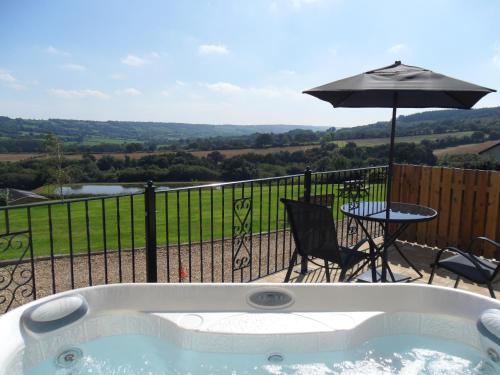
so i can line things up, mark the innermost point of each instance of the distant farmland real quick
(260, 151)
(473, 148)
(410, 138)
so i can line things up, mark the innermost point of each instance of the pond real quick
(97, 189)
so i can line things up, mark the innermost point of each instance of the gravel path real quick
(198, 263)
(206, 262)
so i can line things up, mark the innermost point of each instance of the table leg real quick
(381, 251)
(392, 241)
(373, 250)
(411, 264)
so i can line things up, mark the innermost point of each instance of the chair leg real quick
(492, 291)
(434, 266)
(342, 275)
(457, 280)
(291, 265)
(327, 271)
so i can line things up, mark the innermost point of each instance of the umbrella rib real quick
(451, 95)
(344, 99)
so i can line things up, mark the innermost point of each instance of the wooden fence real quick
(467, 201)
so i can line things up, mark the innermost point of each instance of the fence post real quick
(150, 208)
(307, 198)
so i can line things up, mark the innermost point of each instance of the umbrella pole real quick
(389, 188)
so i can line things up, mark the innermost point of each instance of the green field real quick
(412, 138)
(92, 141)
(121, 213)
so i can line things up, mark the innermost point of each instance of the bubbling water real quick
(143, 355)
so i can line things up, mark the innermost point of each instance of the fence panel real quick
(468, 203)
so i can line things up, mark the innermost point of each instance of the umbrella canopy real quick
(415, 87)
(399, 86)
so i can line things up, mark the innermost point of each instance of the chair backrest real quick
(313, 229)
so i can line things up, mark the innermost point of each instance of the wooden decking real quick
(421, 256)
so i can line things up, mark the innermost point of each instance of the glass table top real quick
(400, 212)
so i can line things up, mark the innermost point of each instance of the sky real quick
(229, 61)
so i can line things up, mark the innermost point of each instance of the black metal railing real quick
(223, 232)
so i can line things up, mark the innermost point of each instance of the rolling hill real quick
(112, 131)
(431, 122)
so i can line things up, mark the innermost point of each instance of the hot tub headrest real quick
(489, 325)
(55, 313)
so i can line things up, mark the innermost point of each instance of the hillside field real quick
(261, 151)
(472, 148)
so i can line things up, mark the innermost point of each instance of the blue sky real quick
(241, 62)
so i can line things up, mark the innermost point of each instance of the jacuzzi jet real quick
(275, 358)
(69, 357)
(493, 354)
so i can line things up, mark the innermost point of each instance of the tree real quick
(264, 140)
(216, 157)
(55, 151)
(106, 163)
(477, 136)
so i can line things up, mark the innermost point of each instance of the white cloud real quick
(267, 92)
(224, 88)
(55, 51)
(129, 92)
(277, 6)
(496, 56)
(133, 60)
(180, 88)
(117, 77)
(73, 67)
(496, 59)
(17, 86)
(213, 49)
(297, 4)
(398, 48)
(154, 55)
(79, 94)
(6, 77)
(10, 81)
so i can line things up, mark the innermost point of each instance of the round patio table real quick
(401, 215)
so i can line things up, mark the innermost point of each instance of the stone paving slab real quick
(421, 256)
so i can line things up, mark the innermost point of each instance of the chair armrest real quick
(486, 239)
(469, 256)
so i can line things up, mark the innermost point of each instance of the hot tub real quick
(253, 329)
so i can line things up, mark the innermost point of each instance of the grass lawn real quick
(118, 222)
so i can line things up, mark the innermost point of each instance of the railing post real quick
(150, 208)
(307, 198)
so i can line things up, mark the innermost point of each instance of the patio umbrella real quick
(399, 86)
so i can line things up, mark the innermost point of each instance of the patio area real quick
(421, 256)
(234, 231)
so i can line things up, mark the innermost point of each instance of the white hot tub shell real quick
(242, 318)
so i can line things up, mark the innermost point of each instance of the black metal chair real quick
(315, 236)
(469, 266)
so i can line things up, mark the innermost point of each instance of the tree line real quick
(183, 166)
